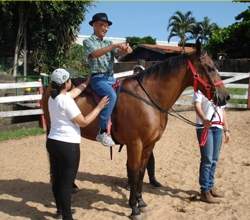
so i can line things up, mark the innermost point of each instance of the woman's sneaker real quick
(105, 139)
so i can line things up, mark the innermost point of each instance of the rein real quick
(153, 103)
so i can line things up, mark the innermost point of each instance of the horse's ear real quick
(198, 46)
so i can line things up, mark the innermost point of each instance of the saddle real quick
(97, 98)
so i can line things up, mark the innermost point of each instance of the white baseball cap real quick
(60, 76)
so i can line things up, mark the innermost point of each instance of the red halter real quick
(206, 85)
(208, 88)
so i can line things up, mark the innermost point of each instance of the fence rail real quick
(229, 82)
(185, 98)
(25, 100)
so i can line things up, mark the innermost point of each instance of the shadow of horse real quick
(118, 184)
(19, 193)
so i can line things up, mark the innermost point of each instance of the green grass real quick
(238, 101)
(237, 91)
(19, 133)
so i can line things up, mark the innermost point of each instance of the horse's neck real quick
(167, 88)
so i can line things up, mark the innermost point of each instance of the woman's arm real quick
(78, 90)
(200, 113)
(83, 121)
(226, 127)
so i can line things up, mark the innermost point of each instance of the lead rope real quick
(204, 133)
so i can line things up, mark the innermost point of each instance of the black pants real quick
(64, 161)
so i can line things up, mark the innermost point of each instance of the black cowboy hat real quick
(100, 17)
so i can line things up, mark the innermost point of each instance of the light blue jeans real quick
(209, 157)
(102, 85)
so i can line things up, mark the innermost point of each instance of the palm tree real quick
(204, 30)
(181, 25)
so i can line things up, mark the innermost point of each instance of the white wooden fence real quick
(185, 99)
(23, 98)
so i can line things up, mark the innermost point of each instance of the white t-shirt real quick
(209, 109)
(62, 110)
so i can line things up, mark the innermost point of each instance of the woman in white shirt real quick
(213, 118)
(63, 143)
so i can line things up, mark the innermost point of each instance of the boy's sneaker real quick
(105, 139)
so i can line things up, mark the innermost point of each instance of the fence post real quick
(42, 119)
(248, 100)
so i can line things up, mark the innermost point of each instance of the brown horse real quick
(140, 116)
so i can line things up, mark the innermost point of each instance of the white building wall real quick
(80, 38)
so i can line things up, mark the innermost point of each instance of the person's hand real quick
(207, 123)
(118, 46)
(227, 136)
(104, 101)
(85, 84)
(87, 81)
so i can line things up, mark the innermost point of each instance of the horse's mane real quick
(170, 64)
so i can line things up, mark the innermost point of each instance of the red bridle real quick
(206, 85)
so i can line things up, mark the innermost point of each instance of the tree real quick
(181, 25)
(233, 40)
(244, 16)
(51, 29)
(204, 30)
(135, 41)
(74, 61)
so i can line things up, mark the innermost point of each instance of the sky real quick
(150, 18)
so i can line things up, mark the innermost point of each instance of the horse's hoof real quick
(136, 217)
(144, 209)
(136, 213)
(141, 203)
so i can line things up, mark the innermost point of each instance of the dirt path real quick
(25, 189)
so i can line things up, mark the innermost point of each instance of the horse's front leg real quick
(141, 203)
(133, 176)
(147, 151)
(134, 153)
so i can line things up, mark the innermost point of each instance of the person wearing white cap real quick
(63, 142)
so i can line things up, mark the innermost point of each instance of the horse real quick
(141, 113)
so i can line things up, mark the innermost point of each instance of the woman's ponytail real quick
(56, 89)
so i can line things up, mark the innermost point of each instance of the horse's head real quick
(207, 79)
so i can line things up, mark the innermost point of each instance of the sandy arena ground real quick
(25, 190)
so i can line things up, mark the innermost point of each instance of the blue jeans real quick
(209, 157)
(102, 85)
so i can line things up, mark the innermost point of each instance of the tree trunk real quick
(18, 39)
(25, 49)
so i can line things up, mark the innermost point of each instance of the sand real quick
(25, 191)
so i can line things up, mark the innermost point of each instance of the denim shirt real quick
(102, 64)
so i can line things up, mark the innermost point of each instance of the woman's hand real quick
(227, 136)
(85, 84)
(104, 101)
(207, 123)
